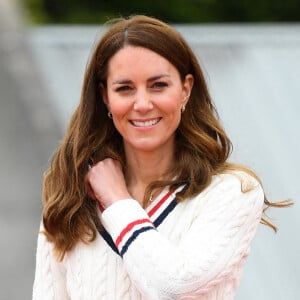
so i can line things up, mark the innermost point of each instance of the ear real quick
(187, 88)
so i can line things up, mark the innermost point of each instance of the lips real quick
(146, 123)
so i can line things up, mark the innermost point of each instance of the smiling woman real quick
(145, 102)
(140, 201)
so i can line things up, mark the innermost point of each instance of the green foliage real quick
(175, 11)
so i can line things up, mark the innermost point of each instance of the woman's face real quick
(145, 95)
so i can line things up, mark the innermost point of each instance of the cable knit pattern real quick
(197, 250)
(49, 283)
(100, 271)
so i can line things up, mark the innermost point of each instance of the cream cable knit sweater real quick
(191, 250)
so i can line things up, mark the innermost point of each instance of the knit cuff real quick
(125, 220)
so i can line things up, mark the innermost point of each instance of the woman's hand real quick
(106, 183)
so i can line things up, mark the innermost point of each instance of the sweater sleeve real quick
(218, 240)
(49, 281)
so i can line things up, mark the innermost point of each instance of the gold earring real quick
(109, 115)
(182, 108)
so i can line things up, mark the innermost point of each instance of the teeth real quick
(146, 123)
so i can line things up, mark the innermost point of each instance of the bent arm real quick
(218, 240)
(49, 282)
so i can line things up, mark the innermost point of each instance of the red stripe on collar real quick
(159, 204)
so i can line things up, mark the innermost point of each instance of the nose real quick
(142, 102)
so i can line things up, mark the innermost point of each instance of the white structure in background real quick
(254, 77)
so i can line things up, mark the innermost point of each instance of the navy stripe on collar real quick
(165, 213)
(108, 239)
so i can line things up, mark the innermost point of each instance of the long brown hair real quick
(202, 146)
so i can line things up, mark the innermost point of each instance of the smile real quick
(145, 123)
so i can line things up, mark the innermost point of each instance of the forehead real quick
(138, 61)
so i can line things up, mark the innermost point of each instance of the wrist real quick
(114, 199)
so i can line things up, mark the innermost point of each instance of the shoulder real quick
(233, 188)
(236, 180)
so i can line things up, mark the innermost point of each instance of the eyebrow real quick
(153, 78)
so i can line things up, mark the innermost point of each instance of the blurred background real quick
(250, 51)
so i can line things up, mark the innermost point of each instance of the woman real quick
(140, 201)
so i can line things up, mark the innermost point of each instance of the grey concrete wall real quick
(28, 135)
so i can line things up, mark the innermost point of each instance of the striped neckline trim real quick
(159, 204)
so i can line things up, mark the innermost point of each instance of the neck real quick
(144, 168)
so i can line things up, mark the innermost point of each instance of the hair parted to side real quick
(202, 146)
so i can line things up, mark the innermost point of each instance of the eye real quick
(159, 85)
(123, 88)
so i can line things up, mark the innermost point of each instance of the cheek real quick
(171, 104)
(118, 107)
